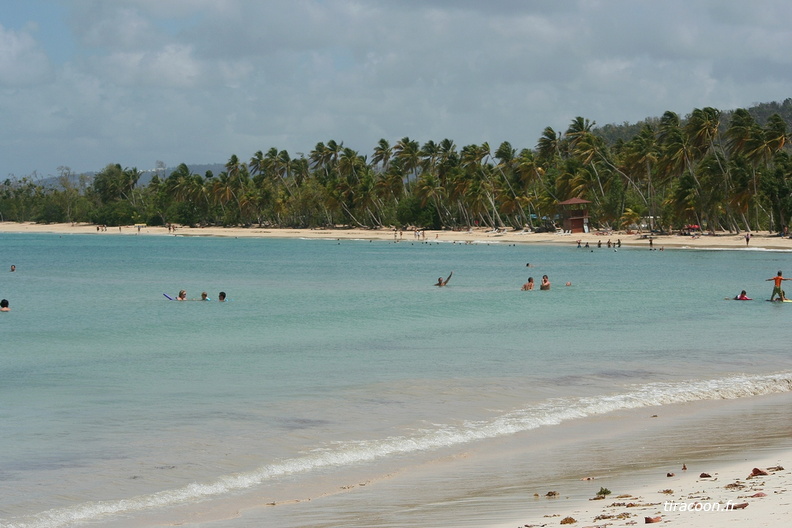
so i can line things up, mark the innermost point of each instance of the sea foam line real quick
(753, 249)
(547, 413)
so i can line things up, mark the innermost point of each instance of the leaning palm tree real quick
(382, 155)
(549, 145)
(507, 167)
(761, 146)
(589, 150)
(257, 164)
(640, 156)
(702, 128)
(745, 144)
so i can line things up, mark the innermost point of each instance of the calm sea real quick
(342, 387)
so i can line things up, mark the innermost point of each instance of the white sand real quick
(719, 240)
(687, 498)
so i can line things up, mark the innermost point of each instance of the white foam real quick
(756, 249)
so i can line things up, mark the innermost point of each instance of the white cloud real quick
(22, 61)
(171, 66)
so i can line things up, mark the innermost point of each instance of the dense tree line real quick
(722, 171)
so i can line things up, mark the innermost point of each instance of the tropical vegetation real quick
(720, 170)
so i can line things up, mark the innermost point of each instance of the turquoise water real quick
(339, 358)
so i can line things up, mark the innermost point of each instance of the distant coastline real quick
(722, 240)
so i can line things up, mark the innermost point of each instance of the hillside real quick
(612, 133)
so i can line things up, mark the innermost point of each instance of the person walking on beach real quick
(528, 286)
(441, 282)
(777, 287)
(545, 283)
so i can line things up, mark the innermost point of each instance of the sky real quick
(85, 83)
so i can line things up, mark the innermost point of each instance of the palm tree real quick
(702, 129)
(324, 159)
(408, 154)
(744, 142)
(507, 163)
(758, 145)
(549, 145)
(641, 155)
(382, 155)
(429, 189)
(257, 164)
(588, 148)
(473, 162)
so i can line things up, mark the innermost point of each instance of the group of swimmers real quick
(545, 285)
(221, 297)
(528, 286)
(616, 244)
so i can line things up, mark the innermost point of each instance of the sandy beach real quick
(718, 240)
(753, 492)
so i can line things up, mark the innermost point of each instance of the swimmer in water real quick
(441, 282)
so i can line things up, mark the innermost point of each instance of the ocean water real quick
(339, 387)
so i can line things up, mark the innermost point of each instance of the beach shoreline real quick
(656, 486)
(758, 240)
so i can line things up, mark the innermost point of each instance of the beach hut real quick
(574, 215)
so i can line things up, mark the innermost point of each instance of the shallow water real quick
(339, 360)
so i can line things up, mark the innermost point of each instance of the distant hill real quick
(145, 178)
(201, 169)
(612, 133)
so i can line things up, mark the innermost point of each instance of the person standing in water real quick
(528, 286)
(778, 279)
(545, 283)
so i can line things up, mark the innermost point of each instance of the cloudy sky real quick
(84, 83)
